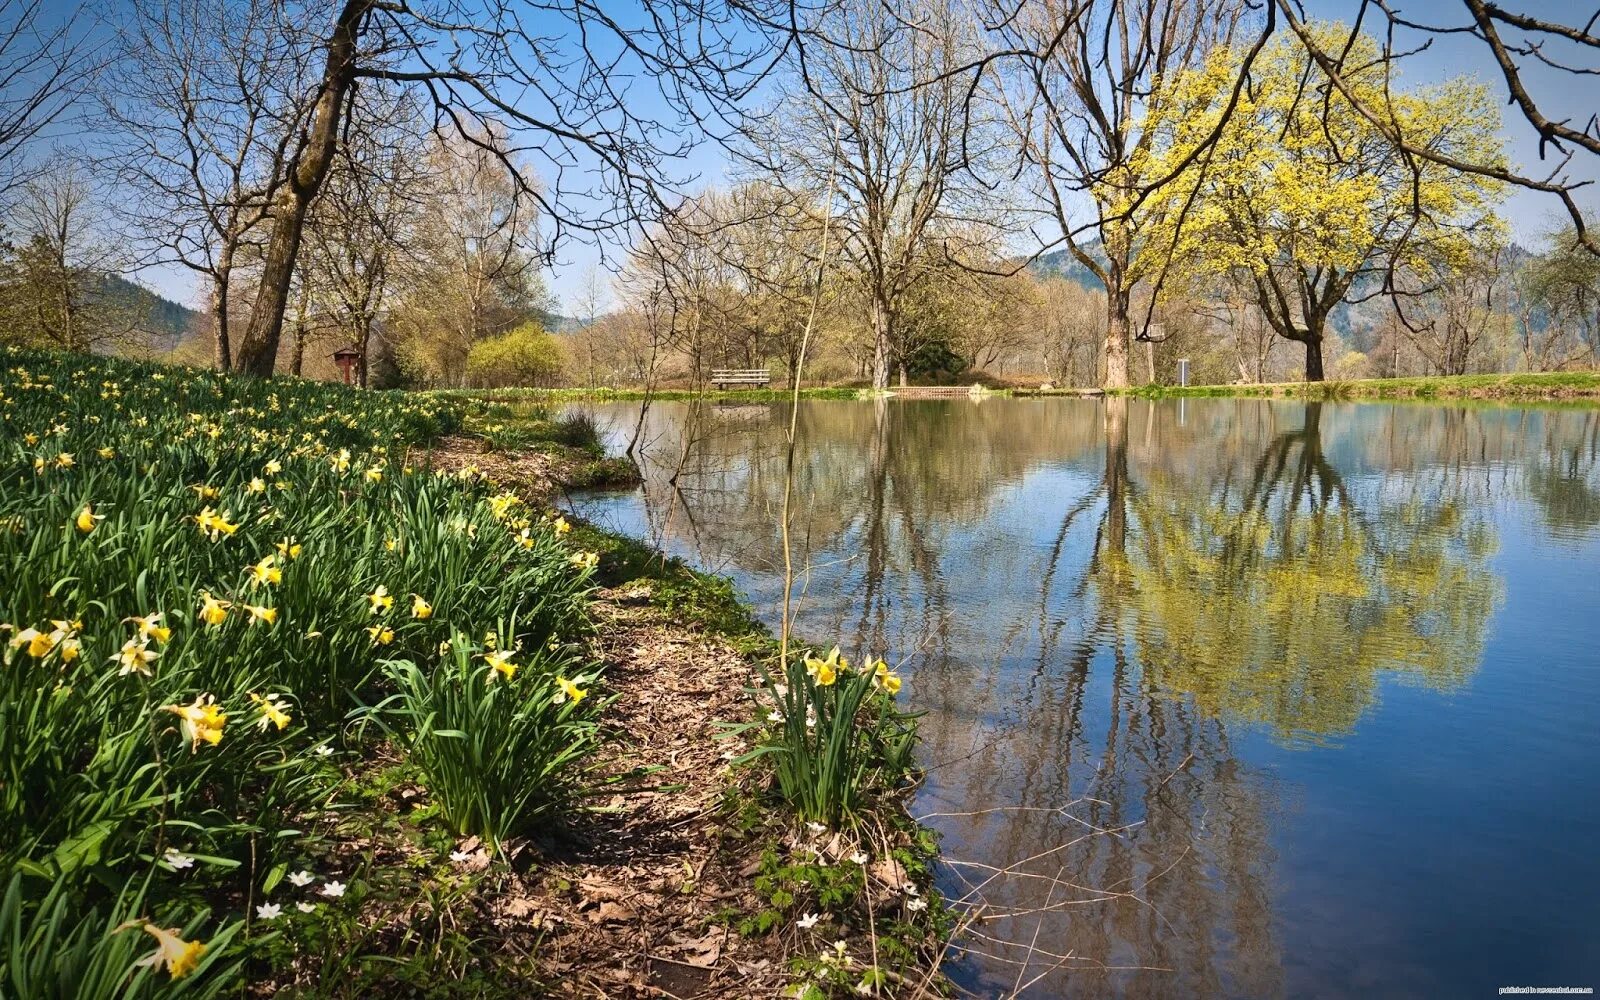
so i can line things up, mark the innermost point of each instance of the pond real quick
(1224, 697)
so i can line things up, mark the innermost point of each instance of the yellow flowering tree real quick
(1303, 203)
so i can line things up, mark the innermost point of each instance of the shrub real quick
(525, 356)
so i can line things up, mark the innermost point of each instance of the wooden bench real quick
(722, 377)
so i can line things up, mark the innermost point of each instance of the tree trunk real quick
(222, 353)
(1313, 356)
(880, 344)
(258, 348)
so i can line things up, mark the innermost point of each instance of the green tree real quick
(1303, 203)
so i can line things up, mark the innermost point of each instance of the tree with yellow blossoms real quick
(1303, 203)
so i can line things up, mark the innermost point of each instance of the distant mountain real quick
(1064, 264)
(164, 321)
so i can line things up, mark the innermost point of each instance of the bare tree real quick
(884, 109)
(203, 101)
(45, 63)
(536, 83)
(1077, 81)
(57, 286)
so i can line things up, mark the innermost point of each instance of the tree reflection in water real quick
(1095, 600)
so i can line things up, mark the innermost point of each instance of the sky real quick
(1529, 213)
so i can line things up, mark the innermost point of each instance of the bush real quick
(525, 356)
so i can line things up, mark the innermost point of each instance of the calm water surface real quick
(1248, 698)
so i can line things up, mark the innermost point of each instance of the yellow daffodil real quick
(213, 524)
(885, 679)
(381, 635)
(380, 600)
(65, 460)
(70, 649)
(390, 544)
(289, 548)
(31, 438)
(273, 467)
(501, 503)
(180, 957)
(150, 627)
(525, 539)
(107, 453)
(38, 644)
(88, 519)
(274, 711)
(570, 691)
(584, 560)
(257, 614)
(561, 526)
(257, 485)
(826, 672)
(206, 492)
(135, 657)
(420, 609)
(374, 475)
(341, 461)
(266, 572)
(202, 721)
(213, 611)
(500, 660)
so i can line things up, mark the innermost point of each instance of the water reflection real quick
(1106, 608)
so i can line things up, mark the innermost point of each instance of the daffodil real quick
(381, 635)
(202, 721)
(206, 492)
(274, 711)
(341, 461)
(88, 519)
(150, 627)
(266, 572)
(500, 660)
(420, 609)
(561, 526)
(65, 460)
(259, 614)
(213, 611)
(373, 474)
(826, 672)
(38, 644)
(107, 453)
(257, 485)
(289, 548)
(273, 467)
(135, 657)
(585, 560)
(569, 690)
(885, 679)
(380, 600)
(214, 524)
(180, 957)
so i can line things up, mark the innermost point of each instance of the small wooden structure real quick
(347, 358)
(723, 377)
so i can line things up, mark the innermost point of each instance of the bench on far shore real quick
(723, 377)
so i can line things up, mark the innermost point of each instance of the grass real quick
(603, 395)
(1517, 386)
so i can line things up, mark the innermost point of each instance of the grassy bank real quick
(295, 698)
(1521, 386)
(604, 395)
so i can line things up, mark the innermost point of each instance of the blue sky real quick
(1529, 213)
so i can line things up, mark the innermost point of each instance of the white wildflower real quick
(808, 921)
(333, 889)
(179, 861)
(302, 879)
(268, 911)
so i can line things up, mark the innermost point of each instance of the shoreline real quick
(684, 878)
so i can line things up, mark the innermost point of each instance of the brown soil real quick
(536, 476)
